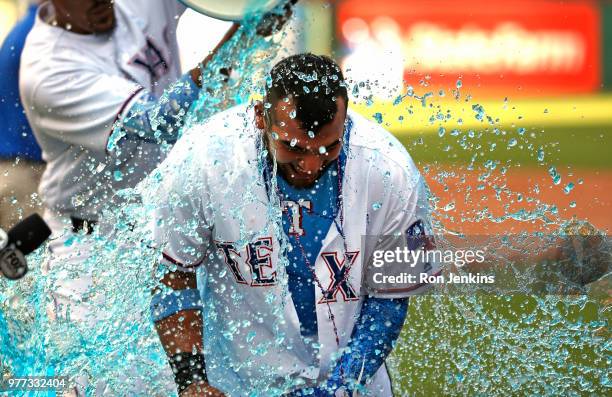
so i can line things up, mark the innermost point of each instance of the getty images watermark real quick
(412, 258)
(405, 265)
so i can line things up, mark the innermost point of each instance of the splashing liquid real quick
(494, 345)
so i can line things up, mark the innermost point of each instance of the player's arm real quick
(381, 318)
(177, 195)
(374, 335)
(178, 322)
(82, 106)
(158, 120)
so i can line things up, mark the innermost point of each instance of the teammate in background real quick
(336, 177)
(91, 67)
(88, 66)
(20, 160)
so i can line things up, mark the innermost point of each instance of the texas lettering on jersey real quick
(339, 277)
(257, 255)
(152, 59)
(296, 209)
(259, 261)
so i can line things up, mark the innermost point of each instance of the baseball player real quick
(86, 66)
(270, 207)
(89, 68)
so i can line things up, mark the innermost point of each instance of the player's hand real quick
(196, 73)
(273, 22)
(201, 390)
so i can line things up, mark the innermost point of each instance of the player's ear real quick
(260, 119)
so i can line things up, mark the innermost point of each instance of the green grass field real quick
(577, 147)
(574, 131)
(508, 345)
(500, 346)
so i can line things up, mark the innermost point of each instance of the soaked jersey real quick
(215, 212)
(75, 87)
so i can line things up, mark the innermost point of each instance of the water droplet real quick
(376, 206)
(556, 177)
(292, 114)
(275, 136)
(512, 142)
(459, 84)
(441, 132)
(568, 188)
(378, 117)
(118, 175)
(540, 154)
(293, 142)
(521, 131)
(322, 150)
(450, 206)
(480, 112)
(572, 204)
(311, 134)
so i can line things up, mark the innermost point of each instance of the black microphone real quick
(21, 240)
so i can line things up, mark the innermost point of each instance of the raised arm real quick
(158, 120)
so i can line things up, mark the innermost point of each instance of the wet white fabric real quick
(74, 87)
(213, 213)
(75, 299)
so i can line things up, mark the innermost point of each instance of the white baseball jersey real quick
(214, 213)
(75, 87)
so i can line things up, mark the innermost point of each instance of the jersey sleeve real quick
(176, 194)
(77, 108)
(157, 120)
(409, 205)
(407, 226)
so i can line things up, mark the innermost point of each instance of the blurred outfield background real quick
(539, 65)
(542, 70)
(506, 106)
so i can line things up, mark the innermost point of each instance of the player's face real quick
(301, 159)
(85, 16)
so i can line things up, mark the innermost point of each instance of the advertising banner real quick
(534, 47)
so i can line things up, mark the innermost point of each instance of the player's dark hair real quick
(313, 82)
